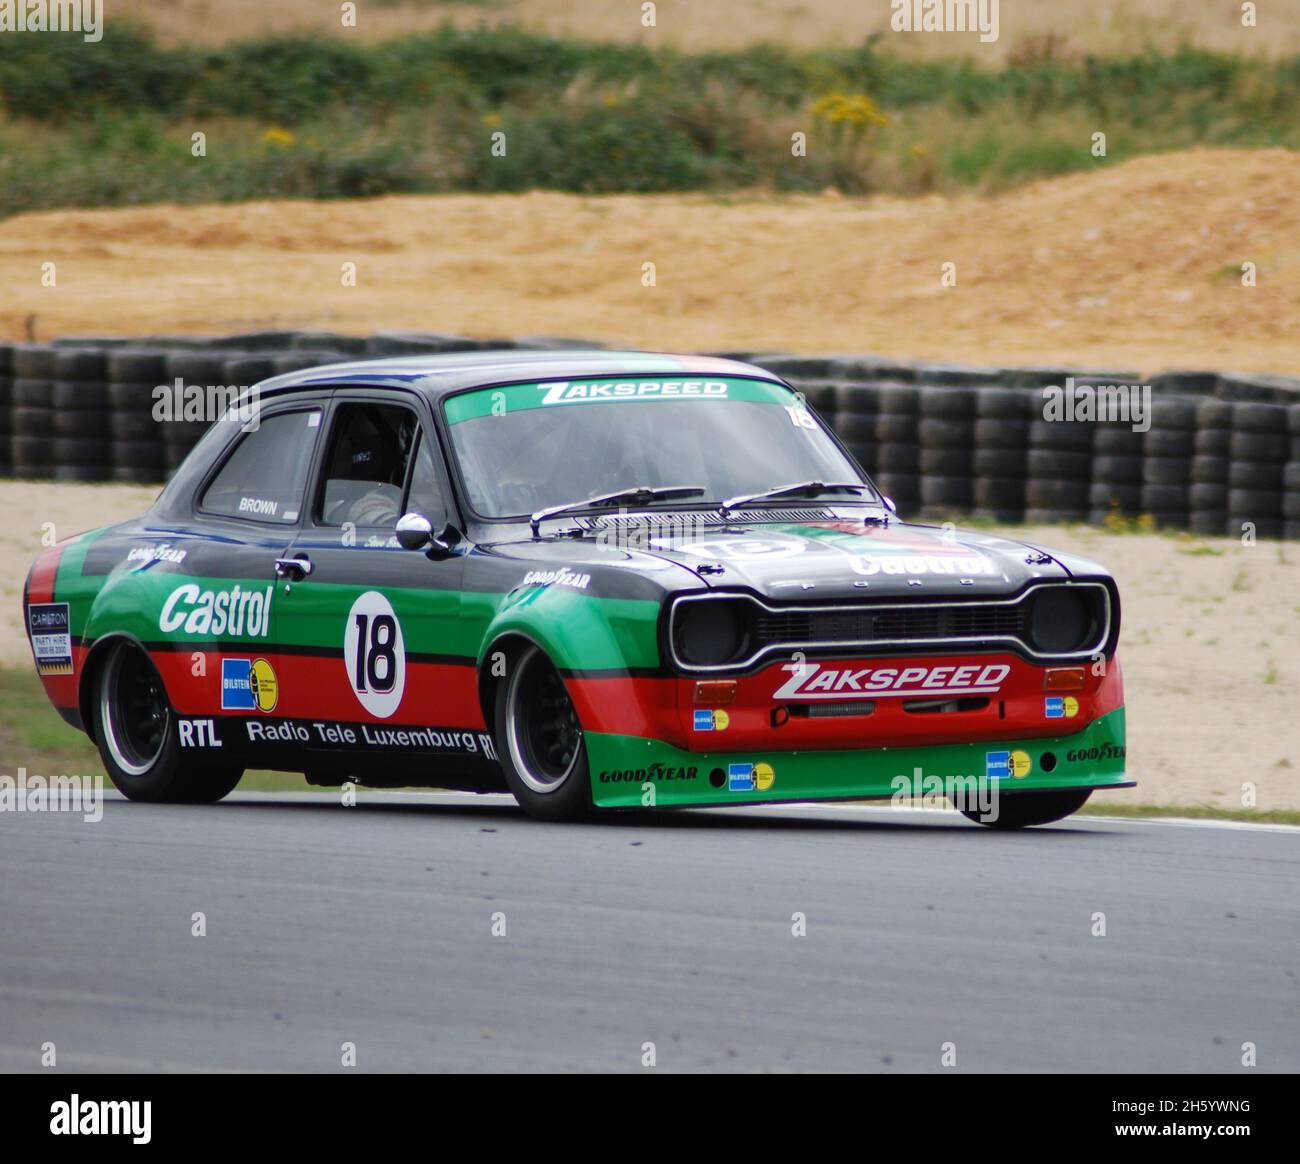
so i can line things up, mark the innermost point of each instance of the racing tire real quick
(539, 740)
(1019, 810)
(135, 731)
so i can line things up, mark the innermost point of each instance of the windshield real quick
(525, 447)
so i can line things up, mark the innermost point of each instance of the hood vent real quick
(669, 520)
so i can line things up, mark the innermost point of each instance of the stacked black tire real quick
(1260, 448)
(1116, 488)
(853, 410)
(136, 450)
(942, 440)
(1000, 436)
(82, 439)
(898, 450)
(1211, 457)
(194, 372)
(302, 359)
(1167, 450)
(33, 411)
(946, 435)
(1058, 471)
(1291, 477)
(6, 411)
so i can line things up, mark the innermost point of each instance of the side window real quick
(365, 470)
(264, 478)
(426, 486)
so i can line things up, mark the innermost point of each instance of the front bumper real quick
(622, 766)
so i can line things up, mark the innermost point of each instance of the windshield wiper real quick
(637, 495)
(808, 487)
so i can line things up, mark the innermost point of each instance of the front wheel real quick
(135, 730)
(1018, 810)
(540, 740)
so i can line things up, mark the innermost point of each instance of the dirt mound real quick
(1132, 265)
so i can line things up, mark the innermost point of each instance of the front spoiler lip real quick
(620, 766)
(734, 803)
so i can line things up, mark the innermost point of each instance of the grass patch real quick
(292, 116)
(33, 736)
(1193, 812)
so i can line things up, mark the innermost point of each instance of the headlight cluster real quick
(712, 633)
(1065, 619)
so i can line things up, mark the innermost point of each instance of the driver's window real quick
(365, 469)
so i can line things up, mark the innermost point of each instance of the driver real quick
(378, 457)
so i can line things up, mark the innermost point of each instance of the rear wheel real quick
(135, 730)
(540, 740)
(1018, 810)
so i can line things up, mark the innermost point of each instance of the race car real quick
(600, 580)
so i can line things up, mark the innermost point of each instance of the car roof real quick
(441, 374)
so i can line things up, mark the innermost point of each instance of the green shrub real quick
(109, 123)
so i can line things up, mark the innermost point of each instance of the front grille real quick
(890, 625)
(928, 625)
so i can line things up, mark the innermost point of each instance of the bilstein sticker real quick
(748, 777)
(1000, 765)
(709, 720)
(248, 685)
(1060, 707)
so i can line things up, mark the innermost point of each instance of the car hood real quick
(819, 560)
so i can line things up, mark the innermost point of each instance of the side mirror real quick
(414, 531)
(889, 504)
(443, 544)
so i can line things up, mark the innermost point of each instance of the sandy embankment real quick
(1132, 266)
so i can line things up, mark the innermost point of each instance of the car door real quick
(386, 673)
(210, 585)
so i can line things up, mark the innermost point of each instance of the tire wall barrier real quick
(945, 441)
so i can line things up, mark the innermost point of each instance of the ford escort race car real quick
(596, 579)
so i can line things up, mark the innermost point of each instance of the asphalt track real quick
(373, 925)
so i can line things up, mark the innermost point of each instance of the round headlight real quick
(1061, 621)
(709, 634)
